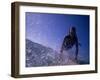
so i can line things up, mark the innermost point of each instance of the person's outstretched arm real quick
(77, 49)
(62, 47)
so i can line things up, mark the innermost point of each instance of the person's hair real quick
(72, 31)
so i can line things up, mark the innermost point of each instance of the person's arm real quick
(77, 48)
(62, 47)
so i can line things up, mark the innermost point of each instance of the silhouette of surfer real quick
(70, 40)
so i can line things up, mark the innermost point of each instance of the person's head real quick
(72, 31)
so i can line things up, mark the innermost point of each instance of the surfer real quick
(70, 40)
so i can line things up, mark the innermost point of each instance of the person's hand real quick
(61, 51)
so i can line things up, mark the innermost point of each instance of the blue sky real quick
(50, 29)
